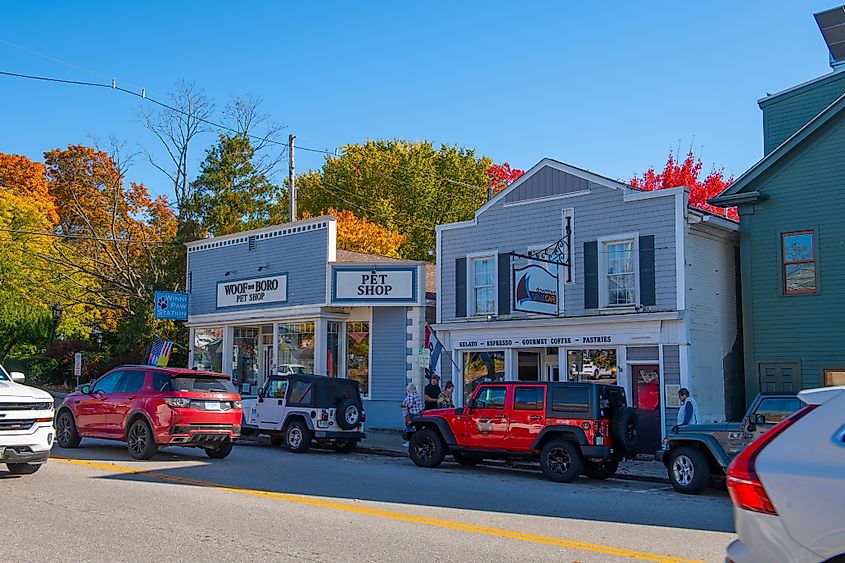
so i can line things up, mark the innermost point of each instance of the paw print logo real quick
(162, 303)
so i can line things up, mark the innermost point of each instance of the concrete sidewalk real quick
(386, 442)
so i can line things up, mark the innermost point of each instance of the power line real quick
(85, 237)
(325, 188)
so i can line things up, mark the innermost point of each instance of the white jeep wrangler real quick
(296, 410)
(26, 424)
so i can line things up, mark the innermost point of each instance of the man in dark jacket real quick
(432, 392)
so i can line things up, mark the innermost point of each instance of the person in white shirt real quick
(688, 411)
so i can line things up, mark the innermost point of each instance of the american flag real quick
(160, 352)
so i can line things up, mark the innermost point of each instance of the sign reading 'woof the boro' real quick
(255, 291)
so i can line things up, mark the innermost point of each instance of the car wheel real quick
(466, 459)
(344, 446)
(66, 434)
(689, 470)
(140, 440)
(561, 461)
(601, 469)
(297, 437)
(427, 448)
(348, 414)
(219, 451)
(23, 468)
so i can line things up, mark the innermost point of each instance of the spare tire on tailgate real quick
(623, 429)
(348, 414)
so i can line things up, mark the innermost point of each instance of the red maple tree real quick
(688, 173)
(501, 175)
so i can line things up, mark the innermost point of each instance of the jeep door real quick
(769, 412)
(526, 416)
(487, 426)
(271, 407)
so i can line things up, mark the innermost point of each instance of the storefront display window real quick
(332, 348)
(245, 359)
(592, 366)
(296, 345)
(358, 354)
(208, 349)
(481, 367)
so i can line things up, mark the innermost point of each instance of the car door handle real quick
(280, 401)
(535, 417)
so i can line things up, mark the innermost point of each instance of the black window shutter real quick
(461, 287)
(504, 284)
(647, 290)
(591, 274)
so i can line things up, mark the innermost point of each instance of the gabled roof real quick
(743, 190)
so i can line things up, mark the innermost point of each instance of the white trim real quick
(470, 282)
(636, 195)
(544, 322)
(771, 97)
(254, 316)
(438, 275)
(684, 361)
(602, 244)
(192, 342)
(332, 242)
(285, 229)
(546, 199)
(681, 206)
(695, 217)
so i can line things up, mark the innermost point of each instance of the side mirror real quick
(470, 404)
(17, 376)
(260, 392)
(760, 419)
(84, 389)
(751, 427)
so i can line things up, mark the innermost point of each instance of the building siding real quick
(803, 195)
(785, 114)
(388, 351)
(600, 213)
(671, 376)
(547, 182)
(302, 256)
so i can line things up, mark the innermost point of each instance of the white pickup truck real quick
(26, 424)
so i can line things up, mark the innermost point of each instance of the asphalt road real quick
(265, 504)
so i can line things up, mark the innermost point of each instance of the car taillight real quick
(178, 402)
(363, 416)
(601, 428)
(744, 485)
(324, 416)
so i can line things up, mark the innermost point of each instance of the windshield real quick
(191, 384)
(4, 376)
(298, 370)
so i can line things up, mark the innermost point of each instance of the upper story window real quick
(799, 264)
(483, 277)
(620, 272)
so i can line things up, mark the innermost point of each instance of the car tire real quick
(23, 468)
(689, 470)
(344, 446)
(426, 448)
(140, 440)
(623, 429)
(348, 414)
(561, 461)
(219, 451)
(601, 469)
(297, 437)
(66, 433)
(468, 460)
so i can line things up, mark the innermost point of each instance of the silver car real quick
(788, 487)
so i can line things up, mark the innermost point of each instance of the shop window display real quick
(358, 354)
(332, 348)
(482, 367)
(592, 366)
(296, 345)
(245, 359)
(208, 349)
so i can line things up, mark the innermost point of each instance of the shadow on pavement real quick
(322, 473)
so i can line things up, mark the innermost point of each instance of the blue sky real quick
(610, 87)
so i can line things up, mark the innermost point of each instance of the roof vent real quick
(832, 25)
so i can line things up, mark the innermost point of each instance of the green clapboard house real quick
(792, 234)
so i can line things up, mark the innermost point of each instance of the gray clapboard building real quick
(284, 299)
(568, 275)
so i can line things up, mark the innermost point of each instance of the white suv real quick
(26, 424)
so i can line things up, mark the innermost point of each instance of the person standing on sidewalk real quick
(688, 411)
(444, 400)
(411, 407)
(432, 392)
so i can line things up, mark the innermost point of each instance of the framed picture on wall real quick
(672, 395)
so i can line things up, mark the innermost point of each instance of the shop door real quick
(646, 391)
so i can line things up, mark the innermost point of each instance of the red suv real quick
(569, 428)
(148, 407)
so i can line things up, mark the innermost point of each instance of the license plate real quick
(212, 405)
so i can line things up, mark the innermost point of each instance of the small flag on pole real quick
(160, 352)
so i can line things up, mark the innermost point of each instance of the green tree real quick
(401, 185)
(230, 194)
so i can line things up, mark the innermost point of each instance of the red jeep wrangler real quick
(569, 427)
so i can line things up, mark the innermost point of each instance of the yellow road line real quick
(388, 514)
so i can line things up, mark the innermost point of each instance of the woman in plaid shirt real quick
(411, 406)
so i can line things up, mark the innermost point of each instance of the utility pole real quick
(291, 178)
(489, 193)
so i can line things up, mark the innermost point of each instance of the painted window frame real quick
(472, 309)
(604, 298)
(784, 263)
(826, 369)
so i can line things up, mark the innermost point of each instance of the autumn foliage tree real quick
(687, 173)
(359, 235)
(502, 175)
